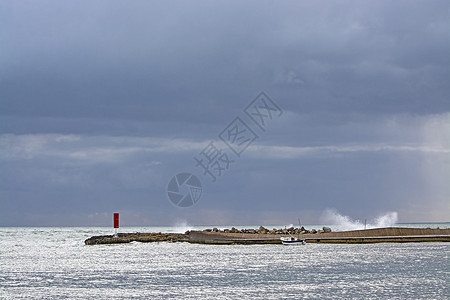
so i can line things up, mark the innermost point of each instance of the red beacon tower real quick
(116, 223)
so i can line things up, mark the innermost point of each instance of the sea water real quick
(53, 263)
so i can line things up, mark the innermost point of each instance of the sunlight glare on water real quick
(55, 263)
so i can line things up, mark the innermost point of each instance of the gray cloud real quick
(101, 102)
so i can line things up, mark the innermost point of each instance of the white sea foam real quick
(182, 227)
(342, 223)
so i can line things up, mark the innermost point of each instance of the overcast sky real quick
(102, 102)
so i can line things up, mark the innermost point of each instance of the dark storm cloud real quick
(101, 102)
(152, 61)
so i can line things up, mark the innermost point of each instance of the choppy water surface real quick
(55, 263)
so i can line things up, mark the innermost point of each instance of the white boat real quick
(292, 241)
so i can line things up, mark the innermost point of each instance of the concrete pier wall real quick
(379, 235)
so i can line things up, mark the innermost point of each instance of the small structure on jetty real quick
(265, 236)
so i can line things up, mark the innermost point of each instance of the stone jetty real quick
(263, 235)
(137, 237)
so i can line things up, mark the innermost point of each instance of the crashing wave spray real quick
(343, 223)
(182, 227)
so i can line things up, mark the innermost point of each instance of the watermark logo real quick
(262, 110)
(185, 189)
(238, 136)
(213, 161)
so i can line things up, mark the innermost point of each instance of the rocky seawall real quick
(274, 231)
(137, 237)
(265, 236)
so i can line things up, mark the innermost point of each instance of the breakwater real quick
(265, 236)
(137, 237)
